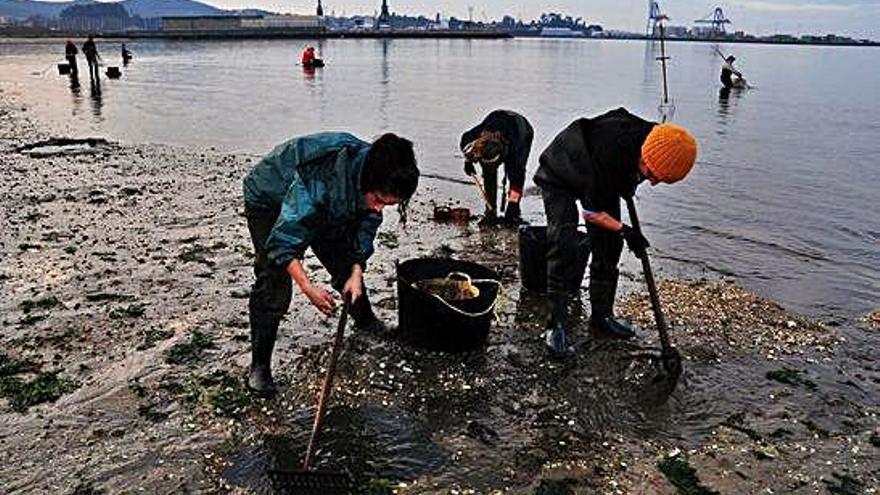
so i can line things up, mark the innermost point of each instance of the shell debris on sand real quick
(125, 229)
(722, 313)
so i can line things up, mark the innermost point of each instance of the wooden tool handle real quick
(652, 286)
(323, 399)
(482, 192)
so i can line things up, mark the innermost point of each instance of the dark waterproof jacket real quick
(90, 50)
(70, 50)
(596, 160)
(315, 181)
(518, 133)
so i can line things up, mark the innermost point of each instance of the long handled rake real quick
(308, 481)
(669, 355)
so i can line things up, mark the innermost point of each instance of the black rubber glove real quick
(512, 215)
(635, 241)
(469, 168)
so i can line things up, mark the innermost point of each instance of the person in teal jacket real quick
(323, 192)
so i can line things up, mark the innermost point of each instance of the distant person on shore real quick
(90, 50)
(728, 72)
(126, 55)
(325, 192)
(597, 161)
(70, 53)
(503, 137)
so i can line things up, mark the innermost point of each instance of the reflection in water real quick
(385, 87)
(74, 84)
(385, 69)
(724, 103)
(97, 98)
(76, 93)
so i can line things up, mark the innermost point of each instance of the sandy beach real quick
(125, 272)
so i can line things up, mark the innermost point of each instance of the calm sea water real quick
(783, 197)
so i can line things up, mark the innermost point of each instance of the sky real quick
(858, 18)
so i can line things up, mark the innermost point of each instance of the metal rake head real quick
(312, 483)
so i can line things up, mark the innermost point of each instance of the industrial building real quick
(228, 23)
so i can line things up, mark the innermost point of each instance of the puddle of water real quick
(370, 442)
(64, 146)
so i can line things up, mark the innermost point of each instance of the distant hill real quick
(169, 8)
(22, 9)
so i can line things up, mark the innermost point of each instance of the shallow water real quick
(354, 439)
(783, 197)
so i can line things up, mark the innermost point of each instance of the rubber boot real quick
(512, 216)
(263, 336)
(554, 337)
(365, 319)
(489, 219)
(602, 318)
(490, 181)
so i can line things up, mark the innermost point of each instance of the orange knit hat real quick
(669, 152)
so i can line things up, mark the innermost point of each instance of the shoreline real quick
(141, 312)
(267, 34)
(400, 34)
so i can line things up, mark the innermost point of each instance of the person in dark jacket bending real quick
(325, 192)
(727, 73)
(502, 137)
(597, 161)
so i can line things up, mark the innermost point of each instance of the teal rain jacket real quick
(315, 182)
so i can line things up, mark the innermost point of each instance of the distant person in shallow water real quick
(324, 192)
(90, 50)
(126, 55)
(308, 56)
(310, 59)
(70, 52)
(728, 72)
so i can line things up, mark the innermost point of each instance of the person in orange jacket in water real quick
(308, 56)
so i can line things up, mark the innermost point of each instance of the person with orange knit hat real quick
(597, 161)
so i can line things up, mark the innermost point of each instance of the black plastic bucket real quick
(114, 72)
(533, 259)
(63, 69)
(429, 322)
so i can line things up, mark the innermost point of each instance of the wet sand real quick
(125, 273)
